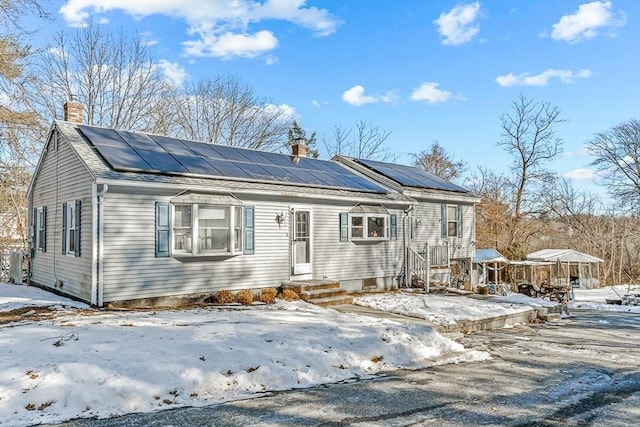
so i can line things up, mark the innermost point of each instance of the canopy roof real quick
(489, 255)
(562, 255)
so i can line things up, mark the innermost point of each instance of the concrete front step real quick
(320, 292)
(330, 301)
(304, 286)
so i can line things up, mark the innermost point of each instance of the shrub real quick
(268, 295)
(288, 295)
(223, 297)
(245, 297)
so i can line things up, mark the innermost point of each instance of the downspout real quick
(94, 244)
(100, 246)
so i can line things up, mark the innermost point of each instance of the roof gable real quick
(152, 154)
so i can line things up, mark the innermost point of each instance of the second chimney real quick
(299, 148)
(73, 111)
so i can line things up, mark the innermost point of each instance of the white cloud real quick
(458, 26)
(229, 45)
(580, 174)
(355, 96)
(173, 72)
(542, 79)
(390, 97)
(220, 28)
(430, 93)
(586, 22)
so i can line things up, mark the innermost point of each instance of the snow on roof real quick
(562, 255)
(489, 255)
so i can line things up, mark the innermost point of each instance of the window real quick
(369, 226)
(71, 228)
(451, 220)
(201, 229)
(40, 228)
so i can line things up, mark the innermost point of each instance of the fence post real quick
(15, 267)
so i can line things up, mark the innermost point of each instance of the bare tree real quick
(586, 224)
(363, 141)
(528, 134)
(617, 157)
(20, 129)
(226, 111)
(111, 74)
(438, 162)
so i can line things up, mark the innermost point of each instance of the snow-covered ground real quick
(91, 363)
(62, 360)
(595, 299)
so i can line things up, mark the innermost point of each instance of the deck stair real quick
(320, 292)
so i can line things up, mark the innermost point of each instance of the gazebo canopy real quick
(489, 256)
(563, 255)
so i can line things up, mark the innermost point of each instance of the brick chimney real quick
(299, 148)
(73, 111)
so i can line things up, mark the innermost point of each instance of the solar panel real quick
(139, 141)
(162, 161)
(121, 158)
(102, 136)
(411, 176)
(130, 151)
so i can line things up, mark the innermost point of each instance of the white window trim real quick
(365, 224)
(40, 229)
(195, 249)
(455, 220)
(70, 218)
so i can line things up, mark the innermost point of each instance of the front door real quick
(301, 241)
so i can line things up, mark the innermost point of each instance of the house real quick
(121, 217)
(440, 225)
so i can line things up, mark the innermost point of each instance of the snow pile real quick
(13, 297)
(524, 300)
(595, 299)
(102, 364)
(438, 309)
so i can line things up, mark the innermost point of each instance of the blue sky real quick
(424, 70)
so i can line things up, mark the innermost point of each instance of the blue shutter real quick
(35, 230)
(44, 228)
(459, 220)
(443, 220)
(249, 230)
(344, 227)
(394, 227)
(162, 229)
(77, 233)
(64, 228)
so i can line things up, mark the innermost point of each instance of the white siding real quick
(132, 271)
(427, 223)
(350, 260)
(63, 178)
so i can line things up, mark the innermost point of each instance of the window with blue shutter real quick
(344, 227)
(394, 227)
(249, 230)
(459, 221)
(443, 220)
(162, 229)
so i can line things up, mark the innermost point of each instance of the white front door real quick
(301, 241)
